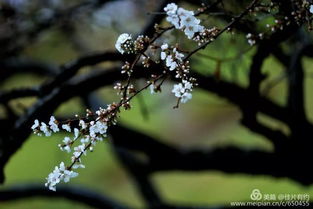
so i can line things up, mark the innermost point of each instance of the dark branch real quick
(76, 194)
(18, 93)
(229, 159)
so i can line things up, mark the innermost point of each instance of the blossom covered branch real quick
(91, 129)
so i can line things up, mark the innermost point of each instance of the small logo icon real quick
(256, 194)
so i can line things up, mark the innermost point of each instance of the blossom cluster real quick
(172, 57)
(182, 91)
(174, 61)
(90, 130)
(251, 39)
(187, 22)
(60, 173)
(125, 43)
(43, 128)
(183, 19)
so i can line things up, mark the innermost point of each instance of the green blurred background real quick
(206, 121)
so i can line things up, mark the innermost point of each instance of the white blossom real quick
(185, 97)
(84, 140)
(67, 140)
(45, 129)
(183, 13)
(68, 175)
(82, 124)
(98, 138)
(170, 9)
(251, 42)
(66, 144)
(53, 126)
(170, 63)
(174, 20)
(36, 124)
(251, 39)
(178, 56)
(187, 85)
(311, 9)
(122, 39)
(188, 20)
(164, 46)
(152, 89)
(78, 165)
(76, 133)
(190, 30)
(66, 148)
(163, 55)
(66, 127)
(178, 89)
(172, 17)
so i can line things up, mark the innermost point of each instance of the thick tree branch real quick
(14, 66)
(76, 194)
(18, 93)
(229, 159)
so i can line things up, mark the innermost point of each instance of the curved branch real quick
(76, 194)
(163, 157)
(12, 66)
(18, 93)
